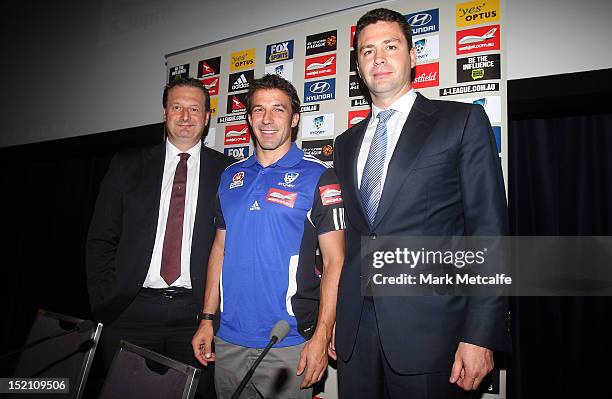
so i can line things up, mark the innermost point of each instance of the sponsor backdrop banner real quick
(460, 57)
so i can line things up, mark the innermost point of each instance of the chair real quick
(59, 346)
(141, 373)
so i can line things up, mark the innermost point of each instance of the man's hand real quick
(472, 364)
(202, 342)
(314, 360)
(331, 349)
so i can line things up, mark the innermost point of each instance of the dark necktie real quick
(171, 254)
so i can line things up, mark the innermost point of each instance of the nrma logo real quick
(320, 90)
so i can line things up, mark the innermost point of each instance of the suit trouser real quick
(161, 324)
(368, 375)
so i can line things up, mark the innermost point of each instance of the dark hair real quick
(386, 15)
(269, 82)
(186, 82)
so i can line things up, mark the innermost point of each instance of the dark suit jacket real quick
(124, 224)
(444, 179)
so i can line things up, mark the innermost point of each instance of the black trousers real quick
(161, 324)
(367, 373)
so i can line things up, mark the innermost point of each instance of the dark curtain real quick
(48, 195)
(560, 179)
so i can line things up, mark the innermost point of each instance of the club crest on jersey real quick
(289, 178)
(237, 180)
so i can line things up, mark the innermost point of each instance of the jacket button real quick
(373, 236)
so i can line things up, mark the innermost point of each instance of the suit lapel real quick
(207, 183)
(150, 187)
(417, 128)
(356, 214)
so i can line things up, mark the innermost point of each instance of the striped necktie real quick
(371, 179)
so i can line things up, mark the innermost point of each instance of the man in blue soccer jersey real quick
(273, 209)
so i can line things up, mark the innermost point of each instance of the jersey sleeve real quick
(219, 220)
(328, 208)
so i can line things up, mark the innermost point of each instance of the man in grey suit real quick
(414, 167)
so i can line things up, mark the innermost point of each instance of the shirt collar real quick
(172, 151)
(291, 158)
(402, 104)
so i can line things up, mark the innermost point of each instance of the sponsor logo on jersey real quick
(281, 197)
(244, 59)
(485, 38)
(179, 71)
(321, 42)
(477, 12)
(237, 153)
(473, 88)
(314, 126)
(480, 67)
(237, 180)
(423, 22)
(236, 103)
(323, 65)
(426, 75)
(209, 67)
(283, 69)
(320, 90)
(427, 48)
(255, 206)
(212, 85)
(281, 51)
(237, 134)
(320, 149)
(330, 194)
(240, 80)
(354, 117)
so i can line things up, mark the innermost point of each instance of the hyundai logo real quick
(419, 20)
(319, 87)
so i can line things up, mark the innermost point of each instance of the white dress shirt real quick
(402, 107)
(154, 280)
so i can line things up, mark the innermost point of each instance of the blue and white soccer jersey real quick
(273, 217)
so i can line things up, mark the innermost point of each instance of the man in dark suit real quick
(415, 167)
(151, 234)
